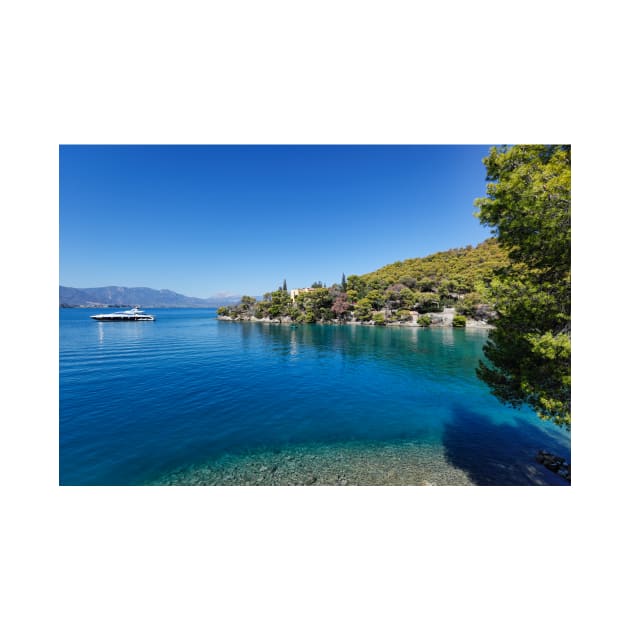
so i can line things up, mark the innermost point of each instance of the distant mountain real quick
(142, 296)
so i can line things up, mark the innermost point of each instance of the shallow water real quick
(188, 399)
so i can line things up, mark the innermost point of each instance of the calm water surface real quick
(189, 399)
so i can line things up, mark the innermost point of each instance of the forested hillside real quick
(403, 292)
(454, 271)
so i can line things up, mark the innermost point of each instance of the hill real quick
(410, 292)
(130, 296)
(455, 271)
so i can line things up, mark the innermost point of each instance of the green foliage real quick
(424, 320)
(379, 319)
(400, 296)
(424, 285)
(528, 204)
(363, 310)
(326, 314)
(358, 285)
(470, 304)
(409, 281)
(223, 310)
(376, 298)
(293, 312)
(427, 303)
(459, 321)
(403, 315)
(459, 269)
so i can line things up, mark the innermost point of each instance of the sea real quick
(188, 399)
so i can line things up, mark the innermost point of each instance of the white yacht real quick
(132, 315)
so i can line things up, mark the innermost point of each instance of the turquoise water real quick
(188, 399)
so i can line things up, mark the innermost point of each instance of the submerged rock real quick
(555, 463)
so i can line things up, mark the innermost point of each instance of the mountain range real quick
(141, 296)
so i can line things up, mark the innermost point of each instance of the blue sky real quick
(205, 220)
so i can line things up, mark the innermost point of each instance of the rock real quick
(555, 463)
(311, 480)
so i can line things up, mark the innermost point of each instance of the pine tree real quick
(284, 285)
(528, 352)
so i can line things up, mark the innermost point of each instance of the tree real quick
(344, 284)
(528, 205)
(427, 303)
(363, 310)
(408, 281)
(376, 298)
(340, 307)
(357, 284)
(284, 285)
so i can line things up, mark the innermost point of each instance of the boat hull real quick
(122, 318)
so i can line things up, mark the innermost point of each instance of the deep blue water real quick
(141, 399)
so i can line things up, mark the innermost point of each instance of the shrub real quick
(261, 311)
(326, 314)
(404, 315)
(459, 321)
(363, 310)
(428, 303)
(379, 319)
(223, 310)
(468, 304)
(424, 320)
(408, 281)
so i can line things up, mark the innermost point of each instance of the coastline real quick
(441, 320)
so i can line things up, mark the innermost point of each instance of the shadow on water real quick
(500, 455)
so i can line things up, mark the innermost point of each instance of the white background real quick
(312, 72)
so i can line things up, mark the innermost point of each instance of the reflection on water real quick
(353, 404)
(120, 331)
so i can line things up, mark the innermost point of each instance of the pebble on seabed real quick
(325, 465)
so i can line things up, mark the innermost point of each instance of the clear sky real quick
(206, 220)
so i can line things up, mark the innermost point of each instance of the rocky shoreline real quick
(438, 320)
